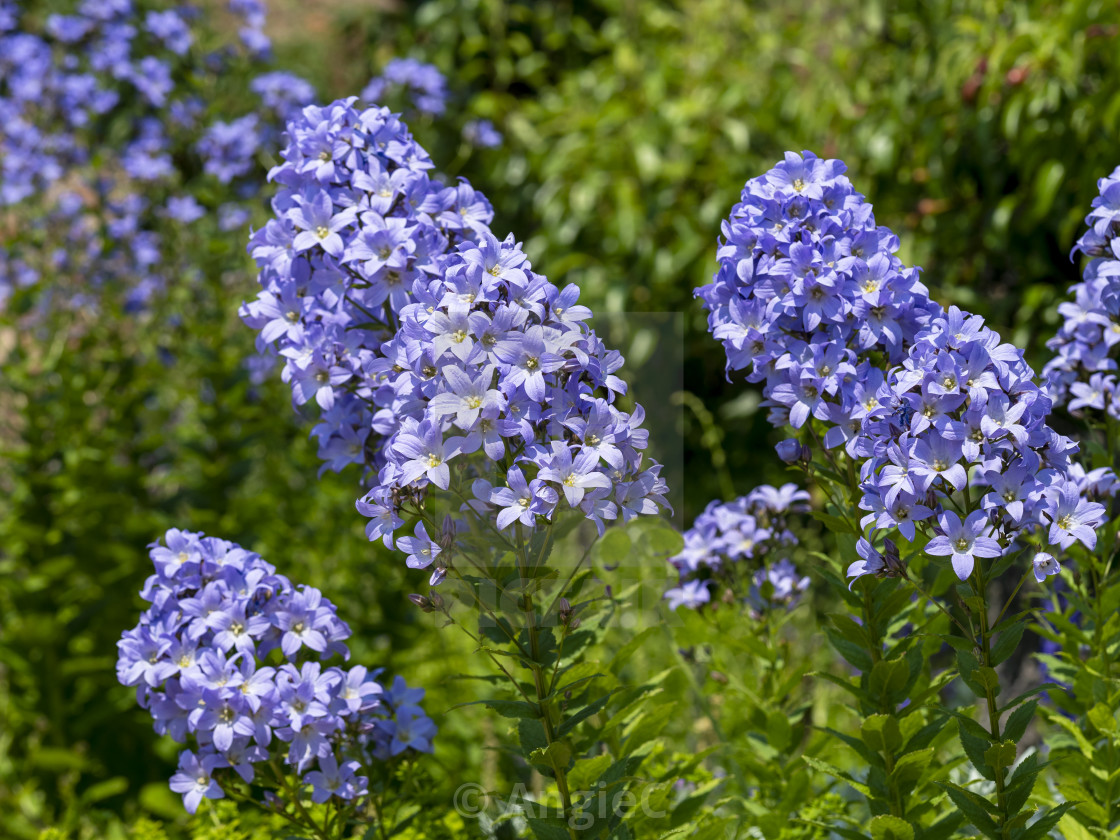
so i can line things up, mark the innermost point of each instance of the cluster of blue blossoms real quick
(357, 222)
(1083, 372)
(751, 532)
(147, 69)
(424, 339)
(197, 659)
(422, 84)
(928, 403)
(421, 88)
(810, 296)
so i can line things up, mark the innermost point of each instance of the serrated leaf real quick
(1019, 720)
(1083, 744)
(881, 733)
(974, 808)
(888, 679)
(1071, 829)
(1000, 756)
(1007, 642)
(587, 771)
(975, 743)
(1047, 821)
(910, 767)
(857, 656)
(556, 754)
(887, 827)
(1022, 782)
(549, 828)
(835, 772)
(988, 678)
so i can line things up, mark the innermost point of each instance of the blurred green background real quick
(977, 129)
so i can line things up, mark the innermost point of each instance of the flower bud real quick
(789, 450)
(422, 602)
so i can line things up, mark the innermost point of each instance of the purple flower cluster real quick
(963, 413)
(357, 223)
(423, 339)
(197, 660)
(1082, 374)
(752, 528)
(507, 383)
(929, 404)
(133, 68)
(810, 297)
(422, 84)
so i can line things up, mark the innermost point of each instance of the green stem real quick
(939, 605)
(1015, 592)
(989, 693)
(544, 706)
(293, 795)
(1101, 644)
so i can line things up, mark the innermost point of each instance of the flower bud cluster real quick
(198, 659)
(1082, 374)
(753, 528)
(357, 223)
(810, 297)
(94, 215)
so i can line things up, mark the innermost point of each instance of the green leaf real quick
(549, 828)
(909, 768)
(1103, 719)
(1000, 756)
(778, 730)
(881, 733)
(975, 809)
(530, 734)
(648, 725)
(614, 546)
(1019, 720)
(587, 771)
(886, 827)
(1007, 642)
(105, 789)
(888, 679)
(1070, 829)
(556, 754)
(1083, 744)
(988, 678)
(583, 714)
(856, 655)
(517, 709)
(1021, 784)
(836, 772)
(833, 523)
(632, 645)
(975, 742)
(1046, 822)
(665, 540)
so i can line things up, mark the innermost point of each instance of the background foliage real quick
(978, 130)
